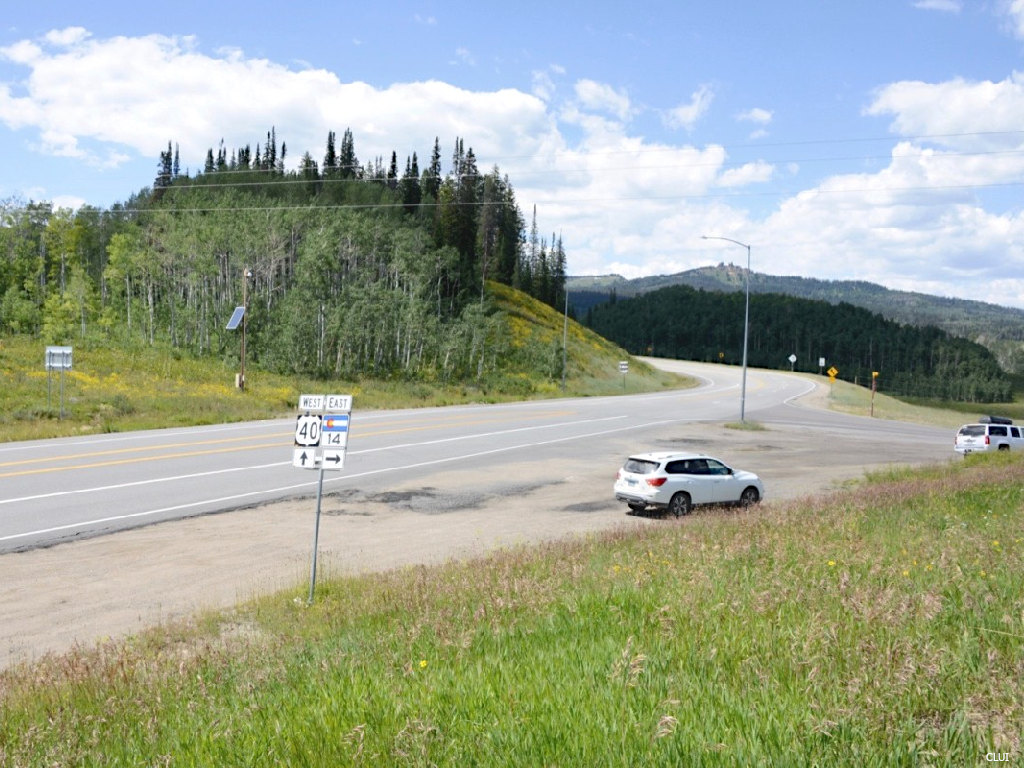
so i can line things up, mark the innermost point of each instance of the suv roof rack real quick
(994, 420)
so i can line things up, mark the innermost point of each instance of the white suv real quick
(679, 481)
(990, 433)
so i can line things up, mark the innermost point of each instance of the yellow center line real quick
(159, 447)
(247, 440)
(136, 460)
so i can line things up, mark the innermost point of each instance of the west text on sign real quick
(311, 402)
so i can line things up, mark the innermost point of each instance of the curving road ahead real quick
(59, 490)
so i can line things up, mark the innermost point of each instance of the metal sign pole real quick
(316, 534)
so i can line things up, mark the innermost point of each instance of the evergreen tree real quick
(432, 175)
(349, 163)
(270, 153)
(330, 157)
(393, 172)
(409, 186)
(309, 172)
(166, 169)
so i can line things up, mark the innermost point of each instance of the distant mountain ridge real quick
(999, 328)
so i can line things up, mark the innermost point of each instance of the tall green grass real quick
(882, 626)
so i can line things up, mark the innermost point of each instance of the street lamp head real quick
(727, 239)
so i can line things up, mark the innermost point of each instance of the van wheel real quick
(681, 504)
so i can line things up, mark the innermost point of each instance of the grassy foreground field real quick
(882, 626)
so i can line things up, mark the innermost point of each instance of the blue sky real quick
(880, 140)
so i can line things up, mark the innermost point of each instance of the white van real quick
(990, 433)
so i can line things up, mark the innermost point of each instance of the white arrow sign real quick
(304, 458)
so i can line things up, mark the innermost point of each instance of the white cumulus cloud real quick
(686, 115)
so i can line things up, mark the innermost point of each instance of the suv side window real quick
(717, 468)
(995, 431)
(1014, 432)
(687, 467)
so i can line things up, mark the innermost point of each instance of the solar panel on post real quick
(236, 318)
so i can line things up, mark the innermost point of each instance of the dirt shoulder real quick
(116, 585)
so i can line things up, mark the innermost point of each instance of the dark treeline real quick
(684, 323)
(345, 267)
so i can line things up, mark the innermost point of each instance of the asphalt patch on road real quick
(589, 506)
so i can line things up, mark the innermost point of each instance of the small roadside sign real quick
(304, 458)
(832, 372)
(307, 430)
(321, 438)
(334, 430)
(58, 358)
(338, 403)
(333, 459)
(311, 402)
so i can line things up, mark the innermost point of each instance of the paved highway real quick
(59, 490)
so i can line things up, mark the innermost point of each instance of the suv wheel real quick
(680, 504)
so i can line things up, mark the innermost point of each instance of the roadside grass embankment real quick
(882, 626)
(152, 387)
(857, 400)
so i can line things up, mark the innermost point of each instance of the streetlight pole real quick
(746, 322)
(565, 334)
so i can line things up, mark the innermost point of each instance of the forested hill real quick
(685, 323)
(346, 267)
(999, 328)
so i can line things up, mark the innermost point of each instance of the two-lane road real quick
(58, 490)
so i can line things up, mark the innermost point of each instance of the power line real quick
(276, 177)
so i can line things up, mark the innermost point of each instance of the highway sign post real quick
(832, 373)
(57, 359)
(321, 438)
